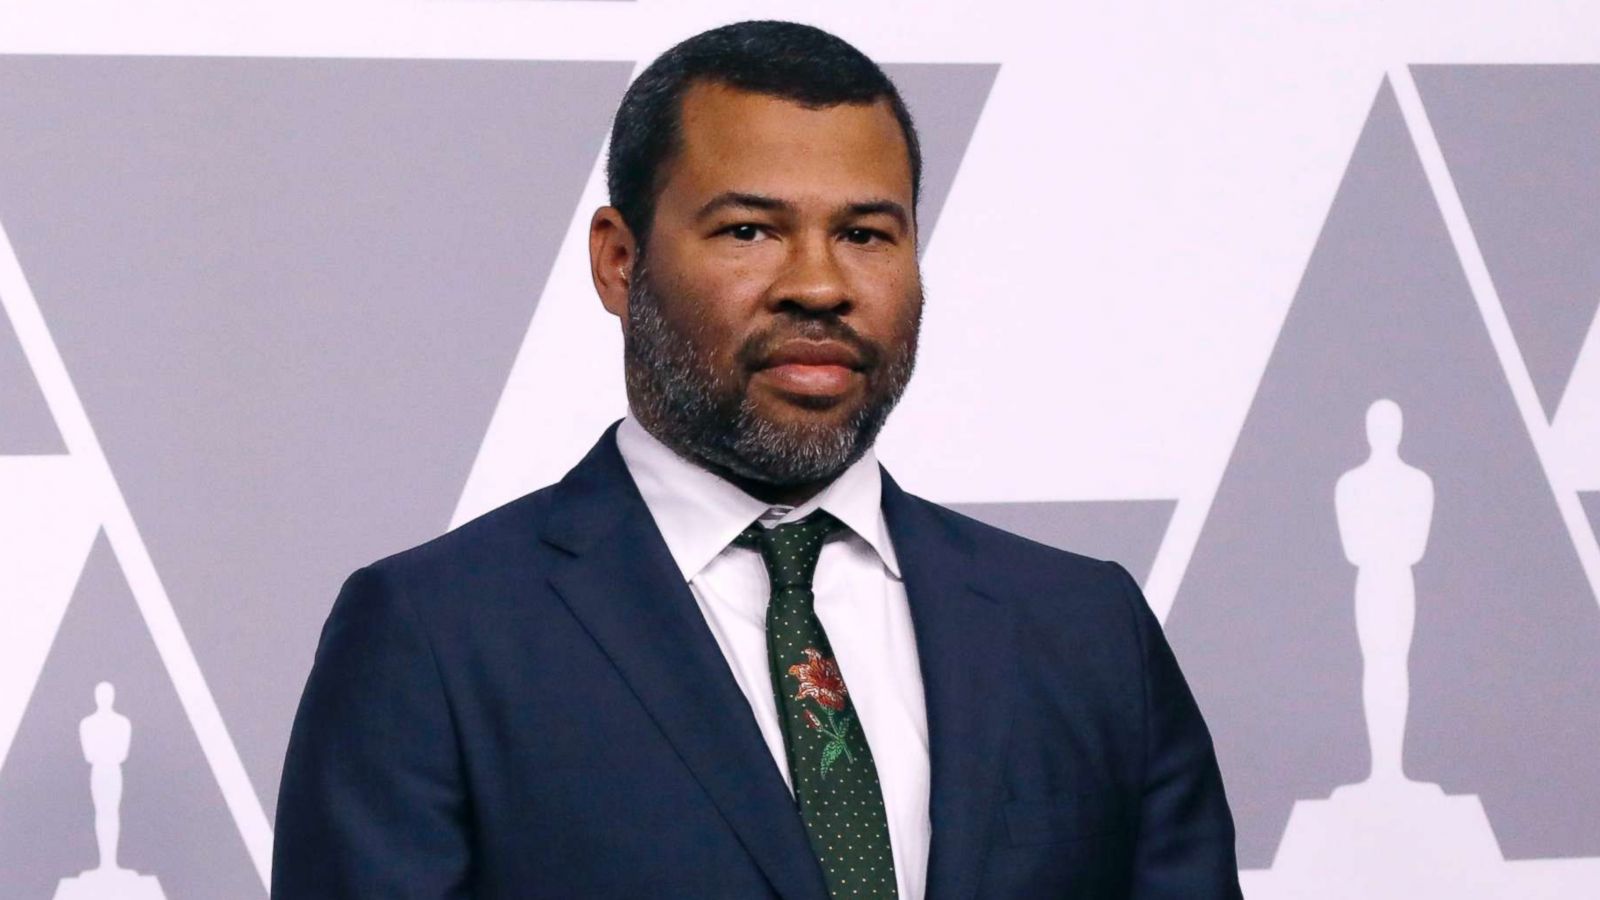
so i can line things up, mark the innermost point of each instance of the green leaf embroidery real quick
(845, 721)
(831, 753)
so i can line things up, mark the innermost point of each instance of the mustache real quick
(757, 348)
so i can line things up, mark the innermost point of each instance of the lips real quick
(817, 370)
(813, 353)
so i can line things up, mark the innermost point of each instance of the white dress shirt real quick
(860, 601)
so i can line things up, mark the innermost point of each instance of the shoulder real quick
(1032, 573)
(1080, 629)
(496, 548)
(503, 547)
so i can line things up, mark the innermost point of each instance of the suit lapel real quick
(621, 584)
(965, 644)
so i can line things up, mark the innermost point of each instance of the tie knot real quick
(791, 551)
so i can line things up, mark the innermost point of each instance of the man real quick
(727, 656)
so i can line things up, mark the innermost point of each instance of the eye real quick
(865, 236)
(744, 232)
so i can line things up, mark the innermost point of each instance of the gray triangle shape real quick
(1591, 507)
(175, 824)
(1127, 531)
(1522, 143)
(945, 100)
(289, 293)
(1505, 657)
(26, 426)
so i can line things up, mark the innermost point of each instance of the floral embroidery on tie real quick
(820, 681)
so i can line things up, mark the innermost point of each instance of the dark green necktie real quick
(830, 765)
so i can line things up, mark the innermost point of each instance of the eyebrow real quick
(762, 202)
(740, 199)
(882, 207)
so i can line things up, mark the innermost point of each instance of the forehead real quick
(740, 140)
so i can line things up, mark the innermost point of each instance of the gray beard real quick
(708, 417)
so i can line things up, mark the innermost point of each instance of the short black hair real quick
(782, 59)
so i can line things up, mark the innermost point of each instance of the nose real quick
(811, 280)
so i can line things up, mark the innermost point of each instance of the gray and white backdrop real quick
(288, 286)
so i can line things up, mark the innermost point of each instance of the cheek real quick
(706, 314)
(733, 288)
(896, 304)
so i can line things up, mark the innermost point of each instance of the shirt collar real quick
(699, 513)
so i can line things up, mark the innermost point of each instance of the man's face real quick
(772, 321)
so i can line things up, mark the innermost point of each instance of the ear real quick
(612, 252)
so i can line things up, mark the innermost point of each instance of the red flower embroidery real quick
(819, 679)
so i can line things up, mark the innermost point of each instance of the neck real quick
(766, 491)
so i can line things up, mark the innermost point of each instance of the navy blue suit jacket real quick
(533, 706)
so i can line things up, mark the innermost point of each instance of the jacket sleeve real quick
(1185, 844)
(372, 802)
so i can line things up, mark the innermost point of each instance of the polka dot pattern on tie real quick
(835, 781)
